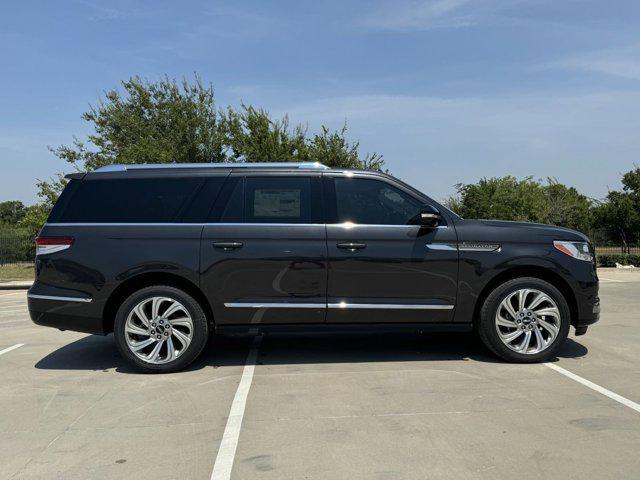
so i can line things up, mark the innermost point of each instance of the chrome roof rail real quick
(266, 165)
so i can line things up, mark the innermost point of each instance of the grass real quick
(16, 271)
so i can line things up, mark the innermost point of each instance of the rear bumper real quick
(63, 309)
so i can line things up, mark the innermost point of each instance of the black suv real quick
(165, 255)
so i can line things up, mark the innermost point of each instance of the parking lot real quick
(340, 406)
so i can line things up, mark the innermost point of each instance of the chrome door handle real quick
(227, 245)
(351, 246)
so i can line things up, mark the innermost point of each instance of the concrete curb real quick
(15, 285)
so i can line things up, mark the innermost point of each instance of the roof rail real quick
(145, 166)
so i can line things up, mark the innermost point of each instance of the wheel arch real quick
(529, 271)
(133, 284)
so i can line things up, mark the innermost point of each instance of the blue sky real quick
(447, 90)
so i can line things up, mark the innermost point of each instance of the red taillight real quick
(46, 245)
(54, 241)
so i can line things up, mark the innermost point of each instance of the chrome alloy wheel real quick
(158, 330)
(528, 321)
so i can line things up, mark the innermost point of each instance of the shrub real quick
(610, 260)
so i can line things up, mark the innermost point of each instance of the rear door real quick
(383, 267)
(263, 253)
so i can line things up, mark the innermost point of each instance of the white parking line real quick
(227, 451)
(12, 311)
(7, 350)
(612, 395)
(611, 280)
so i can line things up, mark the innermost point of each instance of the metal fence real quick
(16, 248)
(617, 249)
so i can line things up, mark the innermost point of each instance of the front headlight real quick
(579, 250)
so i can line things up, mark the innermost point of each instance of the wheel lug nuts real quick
(153, 324)
(161, 322)
(152, 332)
(165, 334)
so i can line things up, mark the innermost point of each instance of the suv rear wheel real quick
(160, 329)
(524, 320)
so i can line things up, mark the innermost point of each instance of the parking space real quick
(373, 406)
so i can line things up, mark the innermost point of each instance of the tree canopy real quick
(169, 121)
(178, 122)
(619, 214)
(507, 198)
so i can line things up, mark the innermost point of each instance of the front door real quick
(263, 256)
(383, 267)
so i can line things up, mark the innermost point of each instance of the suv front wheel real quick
(524, 320)
(160, 329)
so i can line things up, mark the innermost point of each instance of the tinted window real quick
(233, 209)
(373, 202)
(130, 200)
(278, 200)
(197, 211)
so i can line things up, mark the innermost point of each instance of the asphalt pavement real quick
(324, 406)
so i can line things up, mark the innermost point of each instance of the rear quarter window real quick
(126, 200)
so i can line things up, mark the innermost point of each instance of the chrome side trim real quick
(368, 306)
(275, 305)
(61, 299)
(177, 224)
(356, 225)
(389, 306)
(442, 246)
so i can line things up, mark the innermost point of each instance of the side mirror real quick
(429, 216)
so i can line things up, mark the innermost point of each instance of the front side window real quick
(278, 200)
(374, 202)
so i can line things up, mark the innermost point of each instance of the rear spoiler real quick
(75, 176)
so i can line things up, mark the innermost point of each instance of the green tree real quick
(253, 136)
(508, 198)
(619, 214)
(333, 150)
(567, 207)
(11, 212)
(169, 121)
(161, 122)
(505, 198)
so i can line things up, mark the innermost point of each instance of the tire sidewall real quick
(489, 333)
(200, 329)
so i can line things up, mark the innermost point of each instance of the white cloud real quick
(619, 62)
(419, 15)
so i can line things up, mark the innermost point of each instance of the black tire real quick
(487, 324)
(199, 337)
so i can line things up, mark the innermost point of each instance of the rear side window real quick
(129, 200)
(278, 200)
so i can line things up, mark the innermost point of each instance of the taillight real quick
(46, 245)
